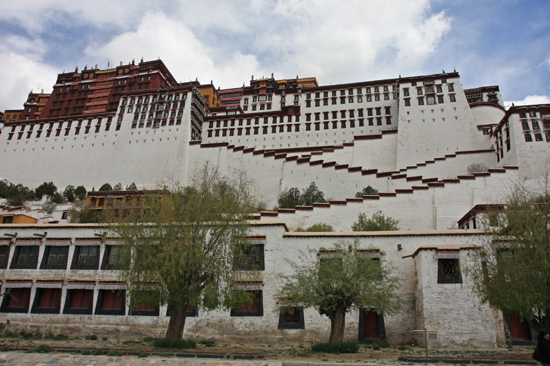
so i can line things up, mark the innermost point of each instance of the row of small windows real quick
(351, 113)
(159, 107)
(154, 99)
(429, 89)
(62, 129)
(350, 99)
(430, 100)
(112, 300)
(316, 126)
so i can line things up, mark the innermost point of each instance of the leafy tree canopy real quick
(377, 222)
(80, 192)
(131, 187)
(308, 196)
(367, 191)
(68, 192)
(318, 227)
(106, 187)
(186, 243)
(47, 189)
(344, 277)
(513, 268)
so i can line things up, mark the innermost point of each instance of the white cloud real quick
(529, 100)
(20, 74)
(158, 35)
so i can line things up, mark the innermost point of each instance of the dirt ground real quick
(281, 352)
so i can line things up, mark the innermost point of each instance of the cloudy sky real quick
(490, 42)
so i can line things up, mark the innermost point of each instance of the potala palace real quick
(411, 138)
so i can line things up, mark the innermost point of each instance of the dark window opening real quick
(25, 257)
(291, 319)
(111, 302)
(254, 307)
(448, 271)
(47, 301)
(86, 257)
(16, 300)
(55, 257)
(79, 301)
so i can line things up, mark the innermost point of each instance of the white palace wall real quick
(144, 156)
(280, 246)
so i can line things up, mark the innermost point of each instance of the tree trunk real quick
(178, 313)
(337, 326)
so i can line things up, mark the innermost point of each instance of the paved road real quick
(61, 359)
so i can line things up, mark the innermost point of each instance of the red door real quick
(516, 327)
(370, 324)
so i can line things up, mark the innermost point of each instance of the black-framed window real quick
(254, 307)
(79, 301)
(86, 257)
(291, 319)
(111, 302)
(47, 301)
(448, 270)
(190, 311)
(144, 309)
(249, 257)
(25, 257)
(4, 256)
(16, 300)
(55, 257)
(115, 257)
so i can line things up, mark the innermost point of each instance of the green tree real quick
(47, 189)
(15, 194)
(131, 187)
(308, 196)
(318, 227)
(186, 243)
(106, 187)
(512, 271)
(290, 198)
(80, 192)
(312, 194)
(117, 187)
(367, 191)
(377, 222)
(344, 277)
(68, 193)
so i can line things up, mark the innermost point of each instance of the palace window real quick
(55, 257)
(253, 307)
(114, 257)
(25, 257)
(448, 267)
(144, 309)
(79, 301)
(111, 302)
(16, 300)
(292, 318)
(86, 257)
(4, 253)
(250, 256)
(47, 301)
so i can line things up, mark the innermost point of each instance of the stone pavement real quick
(64, 359)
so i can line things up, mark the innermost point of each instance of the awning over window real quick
(28, 242)
(115, 242)
(447, 254)
(18, 284)
(249, 286)
(111, 286)
(48, 284)
(369, 253)
(80, 286)
(58, 242)
(5, 242)
(87, 241)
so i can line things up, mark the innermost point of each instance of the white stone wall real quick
(146, 156)
(280, 247)
(449, 307)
